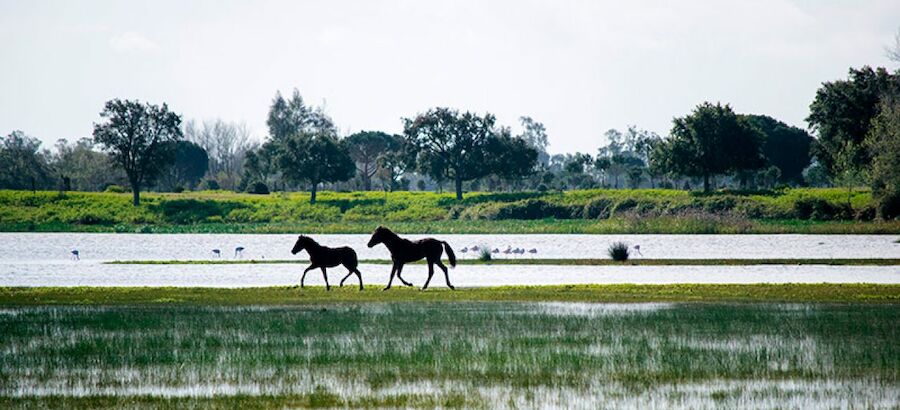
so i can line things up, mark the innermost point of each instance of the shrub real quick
(116, 189)
(484, 254)
(624, 206)
(259, 188)
(821, 210)
(211, 184)
(597, 209)
(618, 251)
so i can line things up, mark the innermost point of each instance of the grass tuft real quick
(618, 251)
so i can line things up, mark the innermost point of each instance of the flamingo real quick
(637, 249)
(532, 251)
(217, 253)
(495, 250)
(465, 249)
(508, 250)
(239, 251)
(475, 248)
(75, 255)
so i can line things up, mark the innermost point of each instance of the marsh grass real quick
(451, 355)
(618, 251)
(278, 296)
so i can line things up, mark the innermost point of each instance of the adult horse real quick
(404, 251)
(324, 257)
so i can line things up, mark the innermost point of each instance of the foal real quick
(404, 251)
(324, 257)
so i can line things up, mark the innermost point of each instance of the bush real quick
(597, 209)
(618, 251)
(116, 189)
(259, 188)
(484, 254)
(816, 209)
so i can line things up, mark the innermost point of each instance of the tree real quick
(394, 163)
(893, 51)
(841, 115)
(368, 148)
(711, 140)
(784, 146)
(259, 165)
(510, 157)
(451, 145)
(884, 142)
(84, 168)
(226, 144)
(136, 136)
(306, 145)
(189, 166)
(314, 159)
(535, 134)
(22, 163)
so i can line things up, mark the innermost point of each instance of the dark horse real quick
(404, 251)
(324, 257)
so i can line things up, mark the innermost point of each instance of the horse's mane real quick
(309, 241)
(388, 232)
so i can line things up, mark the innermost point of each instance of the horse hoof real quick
(385, 289)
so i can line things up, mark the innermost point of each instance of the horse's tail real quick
(450, 255)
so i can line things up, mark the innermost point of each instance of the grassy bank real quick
(460, 355)
(822, 293)
(587, 211)
(553, 262)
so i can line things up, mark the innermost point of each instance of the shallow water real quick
(499, 355)
(71, 273)
(45, 247)
(43, 259)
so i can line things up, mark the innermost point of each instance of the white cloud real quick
(131, 41)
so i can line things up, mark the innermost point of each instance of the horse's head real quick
(300, 245)
(378, 236)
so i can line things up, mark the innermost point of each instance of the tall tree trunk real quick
(459, 182)
(705, 182)
(135, 193)
(312, 193)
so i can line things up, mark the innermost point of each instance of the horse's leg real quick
(359, 275)
(345, 277)
(391, 280)
(430, 274)
(325, 275)
(400, 269)
(446, 275)
(302, 278)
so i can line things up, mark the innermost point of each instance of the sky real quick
(580, 67)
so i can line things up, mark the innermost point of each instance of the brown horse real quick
(324, 257)
(404, 251)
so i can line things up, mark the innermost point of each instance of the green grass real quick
(554, 262)
(458, 355)
(587, 211)
(830, 293)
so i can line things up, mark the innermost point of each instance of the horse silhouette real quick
(404, 251)
(323, 257)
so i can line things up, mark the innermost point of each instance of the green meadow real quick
(799, 210)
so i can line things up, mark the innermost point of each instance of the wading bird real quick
(75, 255)
(217, 253)
(239, 251)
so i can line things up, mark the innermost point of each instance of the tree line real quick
(143, 146)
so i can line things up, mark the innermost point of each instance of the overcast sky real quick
(580, 67)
